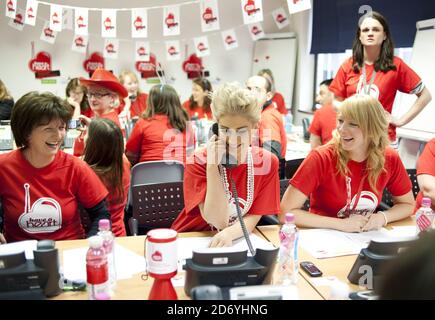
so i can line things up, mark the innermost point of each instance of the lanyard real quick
(349, 195)
(366, 87)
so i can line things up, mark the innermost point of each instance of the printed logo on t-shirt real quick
(373, 92)
(367, 204)
(45, 215)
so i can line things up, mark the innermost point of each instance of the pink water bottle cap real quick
(426, 202)
(289, 218)
(104, 224)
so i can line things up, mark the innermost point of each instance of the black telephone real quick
(228, 161)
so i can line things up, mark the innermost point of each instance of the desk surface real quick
(338, 266)
(137, 289)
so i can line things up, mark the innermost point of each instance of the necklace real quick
(249, 192)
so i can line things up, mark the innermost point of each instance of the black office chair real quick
(387, 198)
(156, 205)
(291, 166)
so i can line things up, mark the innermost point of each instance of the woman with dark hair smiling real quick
(374, 70)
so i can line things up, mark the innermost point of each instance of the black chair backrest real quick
(291, 166)
(157, 205)
(387, 198)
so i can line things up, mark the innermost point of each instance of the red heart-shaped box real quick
(41, 63)
(95, 61)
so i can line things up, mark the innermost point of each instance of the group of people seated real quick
(43, 189)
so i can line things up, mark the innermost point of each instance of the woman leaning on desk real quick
(41, 187)
(374, 70)
(208, 197)
(345, 178)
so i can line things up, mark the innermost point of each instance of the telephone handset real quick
(228, 161)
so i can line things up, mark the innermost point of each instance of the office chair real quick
(305, 126)
(291, 166)
(387, 198)
(151, 172)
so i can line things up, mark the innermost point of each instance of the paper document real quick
(325, 243)
(127, 263)
(27, 246)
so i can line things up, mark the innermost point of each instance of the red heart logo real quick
(95, 61)
(147, 68)
(157, 256)
(41, 63)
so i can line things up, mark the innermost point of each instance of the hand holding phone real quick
(74, 124)
(311, 269)
(228, 160)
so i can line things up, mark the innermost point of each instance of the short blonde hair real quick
(232, 99)
(368, 113)
(131, 74)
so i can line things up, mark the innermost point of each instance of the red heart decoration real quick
(95, 61)
(147, 68)
(41, 63)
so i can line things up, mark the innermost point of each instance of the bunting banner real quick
(173, 50)
(68, 20)
(11, 8)
(256, 31)
(79, 43)
(48, 34)
(230, 39)
(209, 15)
(81, 21)
(31, 12)
(111, 48)
(252, 11)
(201, 46)
(56, 17)
(142, 52)
(18, 22)
(295, 6)
(280, 18)
(108, 23)
(171, 21)
(139, 23)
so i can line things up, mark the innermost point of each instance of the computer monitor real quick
(368, 269)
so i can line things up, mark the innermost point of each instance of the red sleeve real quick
(79, 145)
(338, 85)
(315, 127)
(267, 199)
(280, 103)
(409, 79)
(270, 128)
(134, 143)
(91, 190)
(308, 176)
(121, 106)
(398, 183)
(426, 162)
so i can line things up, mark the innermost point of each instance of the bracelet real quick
(385, 217)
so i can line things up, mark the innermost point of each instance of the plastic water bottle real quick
(288, 123)
(109, 246)
(424, 215)
(287, 272)
(97, 271)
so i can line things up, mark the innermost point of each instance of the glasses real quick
(97, 95)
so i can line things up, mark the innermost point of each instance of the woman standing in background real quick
(199, 102)
(77, 96)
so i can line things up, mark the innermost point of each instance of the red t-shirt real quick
(385, 86)
(324, 122)
(272, 128)
(48, 207)
(138, 106)
(79, 142)
(317, 177)
(266, 189)
(198, 110)
(280, 103)
(426, 165)
(88, 112)
(155, 139)
(116, 208)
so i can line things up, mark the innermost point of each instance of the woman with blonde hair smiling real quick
(345, 179)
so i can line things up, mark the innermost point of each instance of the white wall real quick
(224, 65)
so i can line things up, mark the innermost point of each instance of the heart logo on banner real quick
(250, 7)
(208, 16)
(79, 42)
(172, 51)
(141, 51)
(30, 13)
(80, 22)
(95, 61)
(18, 18)
(193, 66)
(280, 18)
(170, 21)
(147, 68)
(55, 18)
(138, 24)
(110, 48)
(48, 32)
(108, 24)
(229, 40)
(201, 47)
(42, 62)
(255, 30)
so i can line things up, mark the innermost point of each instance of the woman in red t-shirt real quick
(277, 97)
(104, 153)
(132, 106)
(163, 132)
(199, 102)
(77, 97)
(41, 187)
(345, 178)
(208, 197)
(374, 70)
(104, 92)
(426, 174)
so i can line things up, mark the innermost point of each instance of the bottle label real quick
(97, 275)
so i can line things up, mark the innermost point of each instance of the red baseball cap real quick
(105, 79)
